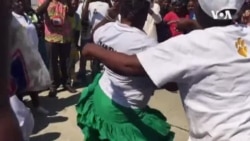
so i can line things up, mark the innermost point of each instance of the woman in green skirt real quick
(114, 107)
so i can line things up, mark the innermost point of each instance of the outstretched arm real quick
(118, 62)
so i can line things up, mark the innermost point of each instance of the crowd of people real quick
(135, 47)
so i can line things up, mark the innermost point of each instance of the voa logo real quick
(222, 15)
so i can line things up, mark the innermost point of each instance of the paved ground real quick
(60, 125)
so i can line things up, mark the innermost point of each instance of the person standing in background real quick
(165, 6)
(38, 20)
(179, 11)
(153, 18)
(190, 8)
(93, 13)
(85, 36)
(163, 30)
(244, 15)
(95, 10)
(75, 23)
(26, 16)
(58, 42)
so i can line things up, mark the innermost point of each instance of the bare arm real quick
(43, 7)
(118, 62)
(9, 129)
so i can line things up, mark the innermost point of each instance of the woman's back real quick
(133, 92)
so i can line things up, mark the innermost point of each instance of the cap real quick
(220, 9)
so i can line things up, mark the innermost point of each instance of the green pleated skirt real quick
(101, 119)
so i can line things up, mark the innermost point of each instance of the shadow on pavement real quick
(42, 122)
(55, 105)
(46, 137)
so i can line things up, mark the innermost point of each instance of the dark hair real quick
(133, 9)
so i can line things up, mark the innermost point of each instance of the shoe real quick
(70, 89)
(52, 93)
(41, 110)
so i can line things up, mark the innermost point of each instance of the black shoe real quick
(70, 89)
(52, 93)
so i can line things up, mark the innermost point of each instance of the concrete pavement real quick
(60, 125)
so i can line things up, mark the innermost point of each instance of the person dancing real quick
(114, 107)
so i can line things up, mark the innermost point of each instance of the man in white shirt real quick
(95, 11)
(154, 17)
(211, 67)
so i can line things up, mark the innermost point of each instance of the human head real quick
(243, 12)
(245, 17)
(207, 12)
(73, 5)
(179, 7)
(164, 3)
(190, 6)
(18, 6)
(115, 2)
(134, 11)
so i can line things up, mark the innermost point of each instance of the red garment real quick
(171, 18)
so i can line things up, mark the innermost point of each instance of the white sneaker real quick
(41, 110)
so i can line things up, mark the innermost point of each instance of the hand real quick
(187, 25)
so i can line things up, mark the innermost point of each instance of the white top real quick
(97, 11)
(30, 29)
(213, 77)
(79, 9)
(150, 27)
(79, 13)
(133, 92)
(25, 55)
